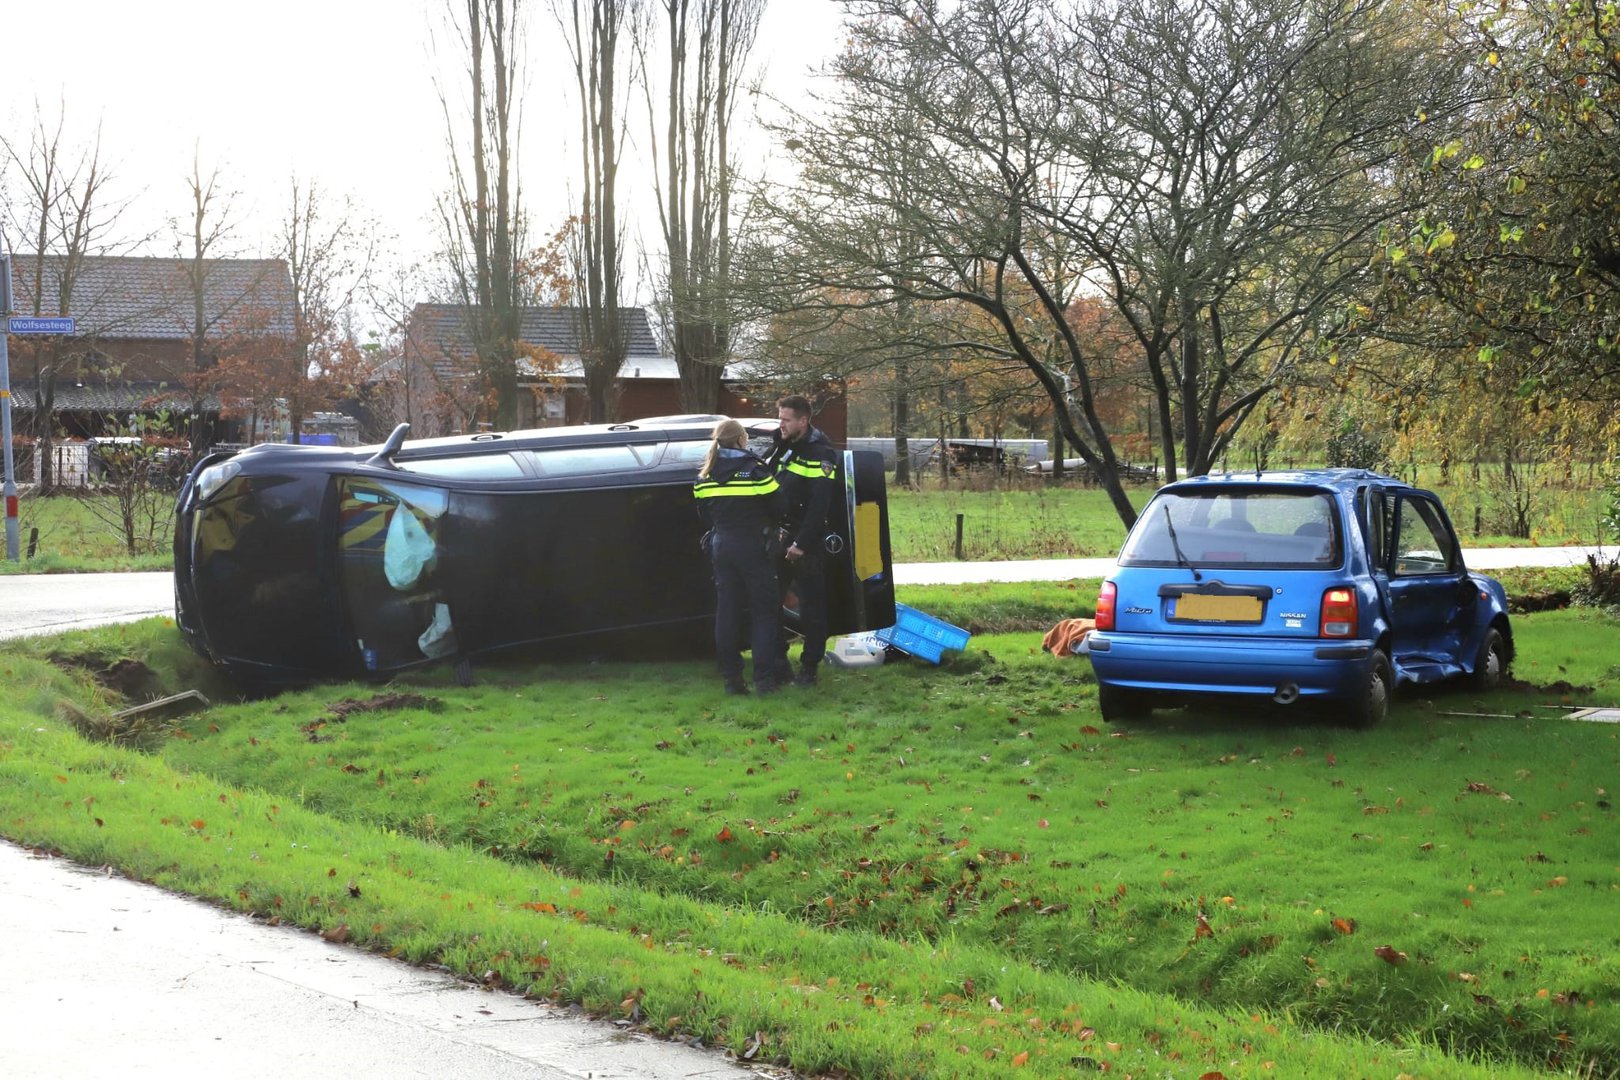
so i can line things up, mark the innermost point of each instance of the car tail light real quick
(1339, 613)
(1105, 605)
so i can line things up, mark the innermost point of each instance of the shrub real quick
(1353, 447)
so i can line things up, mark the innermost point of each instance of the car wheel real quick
(1371, 705)
(1119, 705)
(1491, 666)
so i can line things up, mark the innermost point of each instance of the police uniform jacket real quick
(740, 495)
(808, 472)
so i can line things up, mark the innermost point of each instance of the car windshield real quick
(1225, 527)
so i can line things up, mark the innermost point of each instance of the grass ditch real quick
(913, 871)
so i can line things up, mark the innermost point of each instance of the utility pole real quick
(10, 490)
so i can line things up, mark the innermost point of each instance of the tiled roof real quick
(146, 299)
(555, 329)
(111, 397)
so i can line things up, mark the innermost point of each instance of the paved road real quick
(51, 603)
(108, 977)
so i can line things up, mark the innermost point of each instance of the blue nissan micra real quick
(1330, 586)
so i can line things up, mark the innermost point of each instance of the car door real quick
(1430, 594)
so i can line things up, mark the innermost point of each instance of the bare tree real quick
(482, 216)
(329, 255)
(1211, 167)
(593, 30)
(708, 43)
(63, 217)
(204, 236)
(402, 387)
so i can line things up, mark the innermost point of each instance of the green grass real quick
(72, 539)
(914, 871)
(1021, 523)
(1021, 519)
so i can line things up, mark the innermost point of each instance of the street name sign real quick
(29, 325)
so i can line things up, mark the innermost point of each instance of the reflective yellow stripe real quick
(814, 470)
(709, 489)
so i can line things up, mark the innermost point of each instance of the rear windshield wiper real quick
(1181, 556)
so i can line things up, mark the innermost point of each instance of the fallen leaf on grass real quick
(1476, 788)
(1390, 955)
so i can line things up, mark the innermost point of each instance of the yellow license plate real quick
(1197, 606)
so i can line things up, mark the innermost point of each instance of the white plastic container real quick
(856, 650)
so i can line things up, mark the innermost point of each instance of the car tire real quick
(1491, 665)
(1371, 704)
(1119, 705)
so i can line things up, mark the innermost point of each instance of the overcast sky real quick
(338, 91)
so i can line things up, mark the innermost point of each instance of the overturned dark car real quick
(299, 562)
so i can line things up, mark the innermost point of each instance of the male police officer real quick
(807, 469)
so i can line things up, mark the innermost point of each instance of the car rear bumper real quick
(1179, 664)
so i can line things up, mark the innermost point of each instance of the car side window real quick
(582, 460)
(465, 467)
(693, 452)
(1370, 509)
(1423, 544)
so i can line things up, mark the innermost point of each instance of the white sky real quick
(339, 91)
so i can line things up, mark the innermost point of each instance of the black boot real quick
(735, 685)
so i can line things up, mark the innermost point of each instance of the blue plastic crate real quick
(923, 636)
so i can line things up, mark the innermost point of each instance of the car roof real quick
(1336, 479)
(685, 428)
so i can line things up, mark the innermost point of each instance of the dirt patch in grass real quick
(1559, 686)
(1549, 600)
(342, 710)
(123, 676)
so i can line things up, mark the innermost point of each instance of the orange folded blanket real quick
(1063, 639)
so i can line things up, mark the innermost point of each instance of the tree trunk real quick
(1058, 449)
(902, 448)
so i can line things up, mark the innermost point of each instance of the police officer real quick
(740, 500)
(806, 465)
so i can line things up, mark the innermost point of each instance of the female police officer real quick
(740, 501)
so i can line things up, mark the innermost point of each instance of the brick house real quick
(143, 344)
(431, 385)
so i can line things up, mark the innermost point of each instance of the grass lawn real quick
(1020, 519)
(913, 871)
(73, 538)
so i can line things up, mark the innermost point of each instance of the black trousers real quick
(807, 577)
(746, 593)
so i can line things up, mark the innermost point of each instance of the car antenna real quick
(396, 439)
